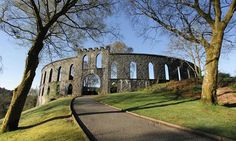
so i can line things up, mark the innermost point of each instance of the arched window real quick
(41, 81)
(91, 84)
(70, 89)
(71, 72)
(99, 61)
(151, 71)
(188, 72)
(50, 76)
(179, 73)
(42, 91)
(48, 92)
(44, 79)
(114, 70)
(85, 62)
(167, 72)
(59, 74)
(133, 70)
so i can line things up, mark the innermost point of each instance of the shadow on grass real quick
(158, 104)
(45, 121)
(104, 112)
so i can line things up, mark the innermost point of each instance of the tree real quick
(120, 47)
(202, 22)
(48, 24)
(180, 47)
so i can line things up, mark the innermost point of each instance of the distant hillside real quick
(5, 100)
(5, 91)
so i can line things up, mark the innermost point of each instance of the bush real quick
(5, 100)
(31, 102)
(224, 79)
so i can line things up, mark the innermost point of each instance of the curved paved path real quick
(109, 124)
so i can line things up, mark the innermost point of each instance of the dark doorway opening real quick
(69, 90)
(113, 88)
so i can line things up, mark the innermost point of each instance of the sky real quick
(14, 55)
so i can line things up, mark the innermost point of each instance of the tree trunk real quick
(209, 86)
(15, 109)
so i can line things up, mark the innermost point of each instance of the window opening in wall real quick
(71, 72)
(42, 91)
(151, 71)
(48, 91)
(133, 70)
(99, 61)
(114, 70)
(167, 76)
(188, 72)
(59, 74)
(85, 62)
(50, 76)
(69, 89)
(91, 84)
(44, 79)
(179, 73)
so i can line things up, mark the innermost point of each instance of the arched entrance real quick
(91, 85)
(69, 89)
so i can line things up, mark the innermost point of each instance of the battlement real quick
(91, 50)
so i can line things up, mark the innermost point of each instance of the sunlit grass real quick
(188, 112)
(47, 123)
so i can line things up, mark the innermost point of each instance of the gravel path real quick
(108, 124)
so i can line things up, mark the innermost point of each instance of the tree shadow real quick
(45, 121)
(158, 104)
(103, 112)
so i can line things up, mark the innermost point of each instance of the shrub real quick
(224, 79)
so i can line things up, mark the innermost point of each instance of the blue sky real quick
(13, 55)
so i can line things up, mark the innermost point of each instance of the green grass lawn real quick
(50, 122)
(187, 112)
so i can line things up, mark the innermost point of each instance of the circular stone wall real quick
(117, 72)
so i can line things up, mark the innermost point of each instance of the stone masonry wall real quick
(50, 86)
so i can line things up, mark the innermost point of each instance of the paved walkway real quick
(109, 124)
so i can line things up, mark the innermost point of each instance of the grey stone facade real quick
(66, 77)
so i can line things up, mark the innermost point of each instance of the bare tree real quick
(120, 47)
(55, 25)
(206, 23)
(186, 50)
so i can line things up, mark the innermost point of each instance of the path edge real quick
(89, 136)
(156, 121)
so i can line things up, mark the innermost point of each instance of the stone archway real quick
(91, 84)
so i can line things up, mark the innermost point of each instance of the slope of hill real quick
(177, 102)
(49, 122)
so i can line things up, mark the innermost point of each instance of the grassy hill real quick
(49, 122)
(177, 103)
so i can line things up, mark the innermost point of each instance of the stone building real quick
(98, 71)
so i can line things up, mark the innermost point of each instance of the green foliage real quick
(224, 79)
(233, 86)
(181, 88)
(49, 122)
(5, 100)
(31, 102)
